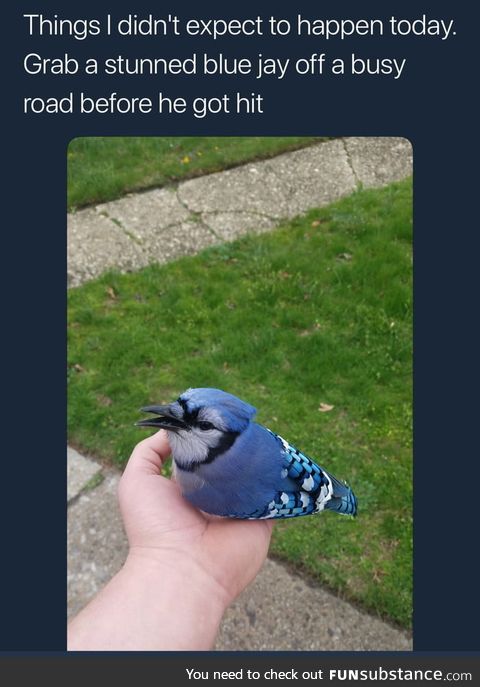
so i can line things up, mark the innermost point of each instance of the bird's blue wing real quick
(315, 489)
(313, 486)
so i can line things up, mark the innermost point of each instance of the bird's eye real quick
(206, 425)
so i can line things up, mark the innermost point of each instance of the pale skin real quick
(182, 571)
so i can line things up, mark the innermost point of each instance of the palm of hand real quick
(159, 520)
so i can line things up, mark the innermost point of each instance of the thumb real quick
(148, 455)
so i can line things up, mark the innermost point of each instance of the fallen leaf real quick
(325, 408)
(104, 400)
(307, 332)
(110, 291)
(377, 575)
(78, 368)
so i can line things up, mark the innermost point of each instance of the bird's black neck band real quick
(225, 443)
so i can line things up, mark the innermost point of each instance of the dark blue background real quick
(432, 105)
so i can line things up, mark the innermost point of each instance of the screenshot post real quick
(240, 343)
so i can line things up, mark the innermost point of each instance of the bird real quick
(228, 465)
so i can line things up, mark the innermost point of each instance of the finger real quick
(149, 455)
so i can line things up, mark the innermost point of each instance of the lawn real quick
(315, 312)
(101, 169)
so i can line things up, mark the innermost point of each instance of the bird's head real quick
(201, 424)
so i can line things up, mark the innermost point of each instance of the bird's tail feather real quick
(343, 500)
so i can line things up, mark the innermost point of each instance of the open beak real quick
(165, 420)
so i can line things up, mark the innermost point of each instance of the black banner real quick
(253, 669)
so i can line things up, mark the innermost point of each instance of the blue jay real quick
(228, 465)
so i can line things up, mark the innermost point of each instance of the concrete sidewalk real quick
(281, 610)
(163, 224)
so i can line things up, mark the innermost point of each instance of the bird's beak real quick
(165, 420)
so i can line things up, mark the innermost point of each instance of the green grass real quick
(102, 168)
(318, 311)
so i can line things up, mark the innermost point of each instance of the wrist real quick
(178, 587)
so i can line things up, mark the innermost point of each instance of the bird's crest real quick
(234, 413)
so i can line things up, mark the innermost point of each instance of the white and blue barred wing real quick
(314, 489)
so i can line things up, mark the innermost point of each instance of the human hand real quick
(224, 554)
(183, 568)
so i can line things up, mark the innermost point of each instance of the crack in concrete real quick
(172, 225)
(182, 202)
(358, 183)
(89, 487)
(195, 216)
(204, 215)
(246, 213)
(118, 223)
